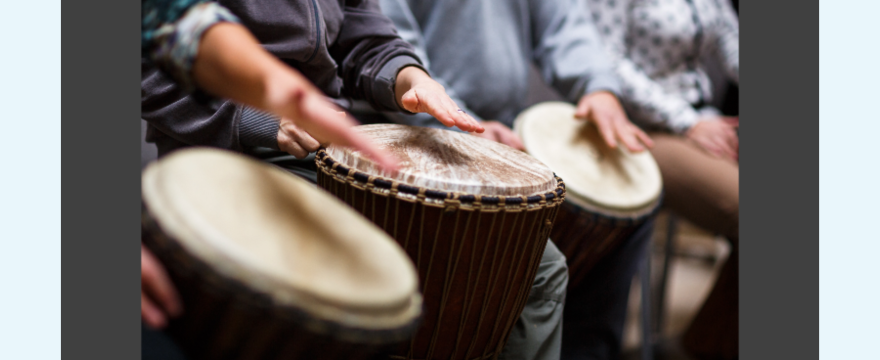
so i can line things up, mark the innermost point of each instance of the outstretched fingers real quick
(438, 104)
(325, 123)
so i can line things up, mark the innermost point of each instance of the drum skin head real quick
(595, 175)
(281, 236)
(451, 161)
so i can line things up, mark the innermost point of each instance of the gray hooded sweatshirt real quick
(347, 48)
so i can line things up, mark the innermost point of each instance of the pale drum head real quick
(451, 161)
(596, 177)
(281, 236)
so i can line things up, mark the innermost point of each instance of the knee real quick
(551, 280)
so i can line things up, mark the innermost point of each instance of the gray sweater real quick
(481, 50)
(348, 48)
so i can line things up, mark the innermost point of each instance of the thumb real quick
(410, 101)
(583, 110)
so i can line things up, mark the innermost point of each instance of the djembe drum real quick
(263, 269)
(610, 191)
(474, 215)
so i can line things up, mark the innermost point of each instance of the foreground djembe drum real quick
(610, 191)
(262, 268)
(474, 215)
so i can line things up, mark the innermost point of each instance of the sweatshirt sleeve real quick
(644, 99)
(568, 50)
(202, 120)
(185, 116)
(409, 30)
(370, 54)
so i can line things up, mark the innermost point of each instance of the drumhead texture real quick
(282, 237)
(451, 161)
(596, 177)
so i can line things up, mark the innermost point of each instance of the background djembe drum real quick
(610, 191)
(474, 215)
(262, 269)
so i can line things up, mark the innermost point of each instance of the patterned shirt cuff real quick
(177, 44)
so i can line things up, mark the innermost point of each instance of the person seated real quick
(191, 48)
(661, 50)
(481, 52)
(202, 45)
(350, 51)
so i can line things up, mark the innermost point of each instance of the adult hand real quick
(717, 135)
(417, 92)
(604, 110)
(499, 132)
(159, 300)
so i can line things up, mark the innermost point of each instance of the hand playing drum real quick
(602, 109)
(611, 191)
(473, 215)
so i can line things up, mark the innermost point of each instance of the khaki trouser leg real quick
(705, 190)
(699, 187)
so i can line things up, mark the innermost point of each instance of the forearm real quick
(232, 64)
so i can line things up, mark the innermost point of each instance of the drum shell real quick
(586, 236)
(476, 265)
(225, 319)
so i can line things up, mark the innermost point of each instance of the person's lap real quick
(698, 186)
(704, 189)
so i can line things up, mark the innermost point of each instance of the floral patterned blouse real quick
(660, 47)
(171, 30)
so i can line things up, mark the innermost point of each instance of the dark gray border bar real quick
(779, 217)
(101, 187)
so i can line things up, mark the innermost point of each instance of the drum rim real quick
(612, 213)
(259, 301)
(330, 166)
(583, 200)
(542, 176)
(618, 218)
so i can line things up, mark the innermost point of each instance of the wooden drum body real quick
(262, 270)
(611, 192)
(472, 214)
